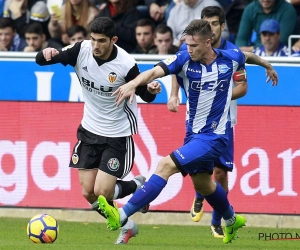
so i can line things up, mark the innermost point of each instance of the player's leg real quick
(116, 162)
(149, 191)
(216, 196)
(222, 166)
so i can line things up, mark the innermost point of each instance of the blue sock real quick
(219, 202)
(147, 193)
(216, 218)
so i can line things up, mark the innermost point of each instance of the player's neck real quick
(209, 57)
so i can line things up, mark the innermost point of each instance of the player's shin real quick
(147, 193)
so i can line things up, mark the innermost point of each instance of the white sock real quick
(128, 225)
(117, 191)
(123, 216)
(230, 221)
(95, 205)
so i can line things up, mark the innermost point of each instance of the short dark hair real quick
(198, 27)
(145, 22)
(76, 29)
(163, 29)
(7, 22)
(103, 25)
(211, 11)
(35, 28)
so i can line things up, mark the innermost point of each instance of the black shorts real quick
(112, 155)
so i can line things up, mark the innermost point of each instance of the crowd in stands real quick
(148, 26)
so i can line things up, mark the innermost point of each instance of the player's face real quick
(6, 37)
(35, 40)
(197, 47)
(216, 27)
(102, 45)
(144, 36)
(163, 42)
(77, 37)
(270, 40)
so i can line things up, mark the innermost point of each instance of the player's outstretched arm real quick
(128, 90)
(46, 55)
(270, 72)
(173, 101)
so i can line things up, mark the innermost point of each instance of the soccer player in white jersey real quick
(209, 89)
(215, 15)
(104, 153)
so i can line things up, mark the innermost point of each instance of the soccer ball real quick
(42, 228)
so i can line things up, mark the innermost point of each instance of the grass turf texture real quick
(78, 235)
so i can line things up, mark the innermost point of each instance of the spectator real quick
(258, 11)
(159, 10)
(163, 39)
(144, 34)
(234, 14)
(27, 11)
(9, 38)
(78, 12)
(36, 39)
(125, 16)
(186, 11)
(270, 38)
(76, 34)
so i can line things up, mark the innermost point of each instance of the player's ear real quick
(222, 26)
(114, 39)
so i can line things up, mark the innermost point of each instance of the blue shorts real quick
(199, 152)
(226, 160)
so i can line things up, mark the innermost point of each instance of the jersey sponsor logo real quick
(169, 60)
(112, 77)
(113, 164)
(75, 158)
(194, 70)
(223, 68)
(90, 86)
(68, 47)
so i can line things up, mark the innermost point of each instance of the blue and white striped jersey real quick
(232, 117)
(208, 87)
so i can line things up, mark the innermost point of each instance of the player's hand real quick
(154, 88)
(173, 104)
(272, 75)
(126, 90)
(49, 53)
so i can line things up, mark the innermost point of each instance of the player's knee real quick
(88, 194)
(221, 176)
(166, 167)
(106, 192)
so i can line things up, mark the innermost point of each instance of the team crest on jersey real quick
(113, 164)
(68, 47)
(112, 77)
(223, 68)
(169, 60)
(75, 158)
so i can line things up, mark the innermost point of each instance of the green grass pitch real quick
(82, 236)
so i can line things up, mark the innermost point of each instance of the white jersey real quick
(101, 115)
(99, 79)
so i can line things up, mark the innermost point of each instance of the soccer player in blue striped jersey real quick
(209, 89)
(216, 17)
